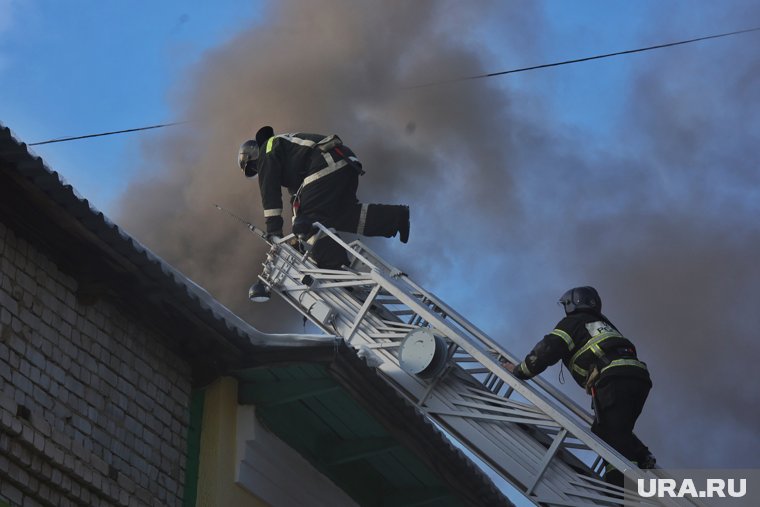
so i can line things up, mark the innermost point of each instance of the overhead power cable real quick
(584, 59)
(453, 80)
(74, 138)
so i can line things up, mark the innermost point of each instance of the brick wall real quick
(93, 407)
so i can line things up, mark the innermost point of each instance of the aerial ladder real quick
(528, 433)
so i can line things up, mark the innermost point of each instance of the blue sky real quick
(84, 67)
(73, 68)
(637, 174)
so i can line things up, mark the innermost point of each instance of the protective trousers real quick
(617, 404)
(332, 201)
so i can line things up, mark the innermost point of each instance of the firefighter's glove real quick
(517, 372)
(510, 367)
(303, 227)
(274, 227)
(297, 244)
(272, 236)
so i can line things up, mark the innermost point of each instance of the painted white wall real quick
(274, 472)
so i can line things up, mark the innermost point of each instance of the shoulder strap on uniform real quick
(269, 144)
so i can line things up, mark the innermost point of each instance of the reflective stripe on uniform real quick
(564, 336)
(331, 168)
(274, 212)
(292, 138)
(297, 140)
(624, 362)
(362, 219)
(593, 345)
(580, 371)
(525, 370)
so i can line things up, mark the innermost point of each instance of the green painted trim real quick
(193, 452)
(417, 498)
(339, 452)
(318, 418)
(270, 394)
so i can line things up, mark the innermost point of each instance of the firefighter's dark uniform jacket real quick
(585, 341)
(295, 161)
(605, 363)
(322, 176)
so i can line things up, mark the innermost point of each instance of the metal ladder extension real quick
(529, 433)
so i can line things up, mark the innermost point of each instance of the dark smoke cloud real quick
(509, 207)
(690, 268)
(665, 225)
(322, 67)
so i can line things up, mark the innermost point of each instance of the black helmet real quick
(263, 135)
(247, 157)
(581, 298)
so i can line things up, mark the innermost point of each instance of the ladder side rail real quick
(355, 253)
(428, 297)
(575, 464)
(432, 318)
(485, 339)
(465, 426)
(350, 311)
(566, 453)
(562, 485)
(558, 476)
(518, 438)
(482, 336)
(454, 426)
(512, 453)
(524, 460)
(545, 462)
(286, 268)
(285, 271)
(528, 392)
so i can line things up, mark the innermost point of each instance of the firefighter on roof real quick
(322, 175)
(603, 362)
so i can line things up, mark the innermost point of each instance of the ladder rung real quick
(395, 325)
(389, 336)
(383, 345)
(489, 417)
(500, 410)
(547, 459)
(474, 371)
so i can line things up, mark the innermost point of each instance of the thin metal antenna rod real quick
(250, 226)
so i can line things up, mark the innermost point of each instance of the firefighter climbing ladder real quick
(529, 433)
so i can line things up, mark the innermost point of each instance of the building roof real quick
(108, 263)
